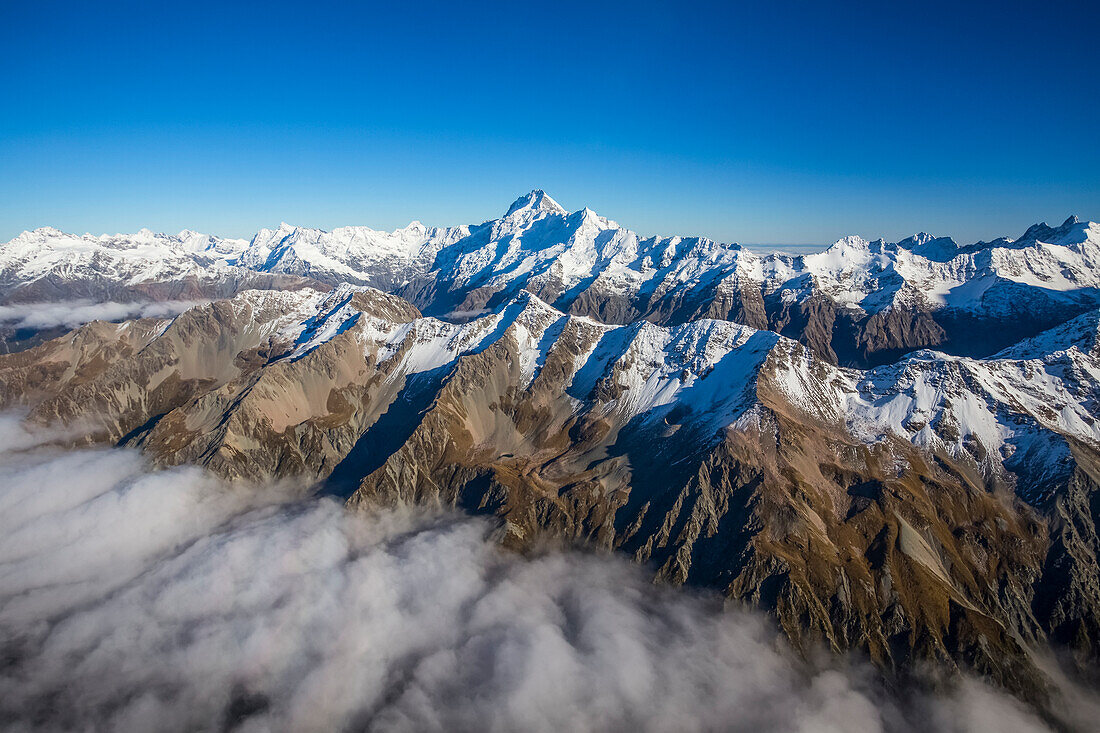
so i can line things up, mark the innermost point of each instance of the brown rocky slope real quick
(725, 457)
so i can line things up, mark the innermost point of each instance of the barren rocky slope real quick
(892, 447)
(939, 507)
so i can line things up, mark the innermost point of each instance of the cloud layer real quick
(77, 312)
(139, 600)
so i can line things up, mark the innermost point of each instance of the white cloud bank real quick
(133, 600)
(78, 312)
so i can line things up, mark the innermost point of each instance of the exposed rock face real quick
(774, 428)
(938, 508)
(68, 362)
(1068, 600)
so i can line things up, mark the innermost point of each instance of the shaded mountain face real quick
(892, 447)
(940, 507)
(859, 303)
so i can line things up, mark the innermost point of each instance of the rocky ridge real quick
(859, 303)
(936, 508)
(892, 447)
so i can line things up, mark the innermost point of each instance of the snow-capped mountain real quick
(858, 303)
(890, 446)
(940, 507)
(47, 265)
(1011, 413)
(357, 255)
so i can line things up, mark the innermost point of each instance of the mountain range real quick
(891, 447)
(858, 303)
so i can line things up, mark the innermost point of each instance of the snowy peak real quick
(43, 232)
(923, 289)
(1072, 231)
(846, 253)
(852, 242)
(937, 249)
(537, 202)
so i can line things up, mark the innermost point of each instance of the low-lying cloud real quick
(140, 600)
(74, 313)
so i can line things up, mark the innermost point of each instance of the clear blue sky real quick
(782, 122)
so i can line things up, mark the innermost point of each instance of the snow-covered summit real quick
(584, 263)
(144, 256)
(535, 202)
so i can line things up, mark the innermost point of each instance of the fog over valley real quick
(135, 600)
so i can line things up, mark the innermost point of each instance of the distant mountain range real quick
(858, 303)
(892, 447)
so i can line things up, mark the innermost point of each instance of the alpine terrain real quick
(893, 448)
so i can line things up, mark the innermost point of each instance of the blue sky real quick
(761, 122)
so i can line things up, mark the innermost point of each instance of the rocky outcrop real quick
(877, 548)
(936, 509)
(1068, 599)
